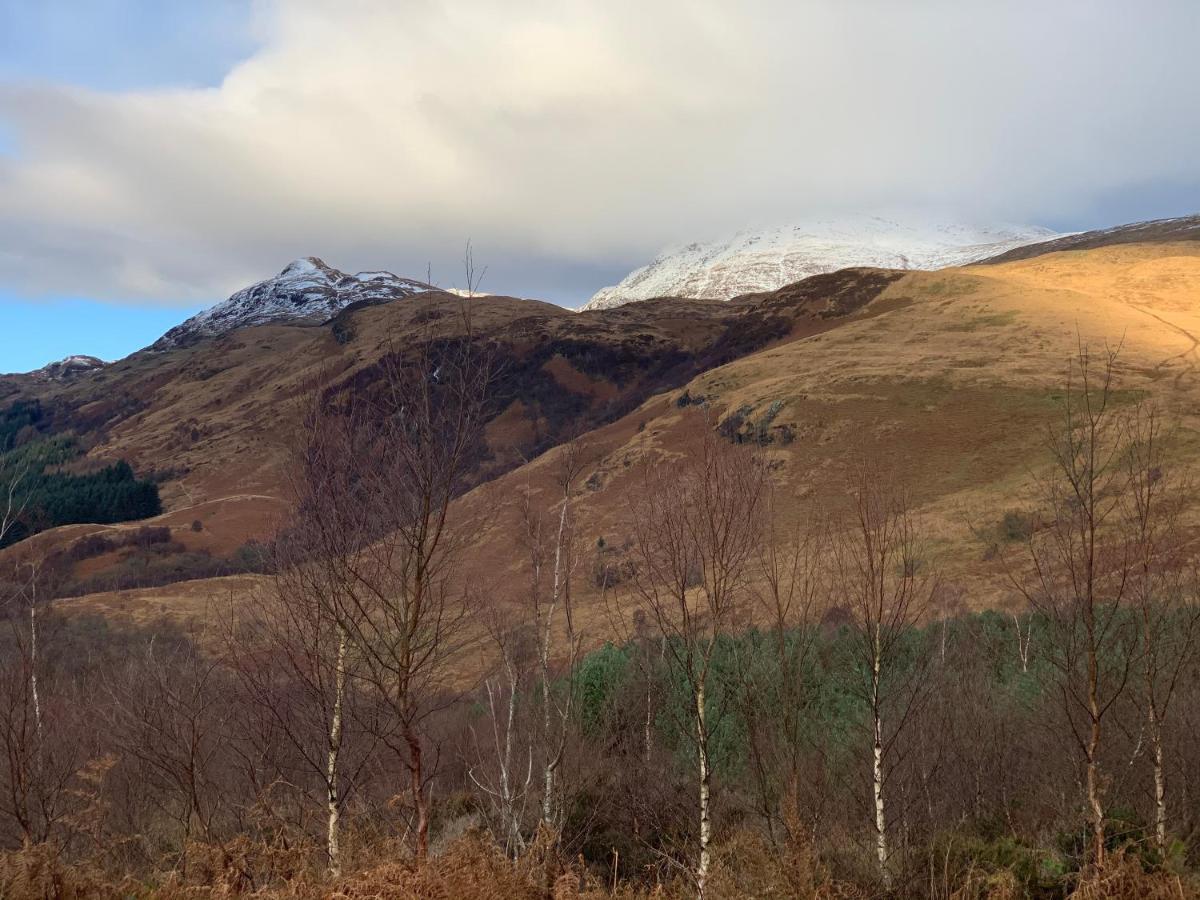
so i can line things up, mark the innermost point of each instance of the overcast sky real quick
(160, 155)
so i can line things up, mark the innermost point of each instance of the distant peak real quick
(307, 291)
(69, 367)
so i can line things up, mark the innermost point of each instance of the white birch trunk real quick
(33, 663)
(881, 843)
(1160, 785)
(553, 756)
(333, 795)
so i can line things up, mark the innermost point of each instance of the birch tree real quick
(695, 525)
(409, 614)
(551, 546)
(290, 646)
(788, 588)
(1162, 584)
(880, 574)
(501, 771)
(1077, 568)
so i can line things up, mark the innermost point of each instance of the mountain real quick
(1157, 231)
(71, 367)
(63, 370)
(953, 375)
(756, 261)
(307, 290)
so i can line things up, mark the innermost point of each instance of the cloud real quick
(575, 138)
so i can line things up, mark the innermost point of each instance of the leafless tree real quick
(408, 616)
(696, 526)
(880, 573)
(13, 499)
(169, 714)
(496, 770)
(1162, 582)
(551, 545)
(1078, 566)
(39, 756)
(788, 587)
(290, 646)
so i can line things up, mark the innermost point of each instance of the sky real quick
(155, 157)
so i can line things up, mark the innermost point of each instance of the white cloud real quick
(578, 134)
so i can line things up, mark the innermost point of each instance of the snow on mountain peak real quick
(767, 259)
(307, 290)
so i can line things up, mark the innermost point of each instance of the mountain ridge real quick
(308, 290)
(758, 260)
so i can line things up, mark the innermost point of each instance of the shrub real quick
(1016, 526)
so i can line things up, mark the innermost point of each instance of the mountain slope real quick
(307, 290)
(1185, 228)
(755, 261)
(953, 376)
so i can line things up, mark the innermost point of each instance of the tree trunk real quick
(1095, 803)
(705, 792)
(333, 835)
(881, 844)
(420, 802)
(548, 818)
(1160, 786)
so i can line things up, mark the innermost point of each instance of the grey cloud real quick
(570, 141)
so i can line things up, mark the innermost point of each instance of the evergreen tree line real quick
(45, 495)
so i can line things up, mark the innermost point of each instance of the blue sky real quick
(40, 331)
(156, 155)
(121, 44)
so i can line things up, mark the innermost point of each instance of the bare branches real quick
(881, 574)
(696, 528)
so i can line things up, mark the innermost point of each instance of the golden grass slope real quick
(952, 376)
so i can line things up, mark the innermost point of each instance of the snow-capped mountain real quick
(307, 290)
(763, 260)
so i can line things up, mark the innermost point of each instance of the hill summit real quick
(764, 260)
(307, 290)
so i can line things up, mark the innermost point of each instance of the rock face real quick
(765, 260)
(307, 290)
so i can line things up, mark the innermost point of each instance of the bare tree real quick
(1078, 566)
(550, 543)
(290, 647)
(13, 499)
(38, 756)
(169, 710)
(695, 523)
(880, 574)
(505, 789)
(789, 585)
(408, 615)
(1162, 583)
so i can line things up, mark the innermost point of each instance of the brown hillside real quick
(953, 375)
(212, 421)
